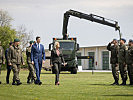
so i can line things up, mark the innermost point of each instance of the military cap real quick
(123, 40)
(131, 40)
(31, 42)
(16, 40)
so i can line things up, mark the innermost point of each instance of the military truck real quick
(69, 45)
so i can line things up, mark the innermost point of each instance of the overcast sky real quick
(45, 19)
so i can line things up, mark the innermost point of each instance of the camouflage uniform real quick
(129, 62)
(30, 65)
(114, 61)
(2, 57)
(15, 58)
(122, 63)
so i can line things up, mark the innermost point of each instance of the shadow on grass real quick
(119, 95)
(51, 73)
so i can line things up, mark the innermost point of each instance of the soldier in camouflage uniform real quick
(15, 58)
(31, 75)
(129, 61)
(114, 60)
(2, 57)
(122, 61)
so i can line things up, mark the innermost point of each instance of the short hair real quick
(37, 37)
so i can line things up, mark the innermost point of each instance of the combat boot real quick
(115, 83)
(28, 81)
(123, 83)
(0, 82)
(13, 83)
(19, 83)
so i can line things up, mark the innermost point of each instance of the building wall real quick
(98, 59)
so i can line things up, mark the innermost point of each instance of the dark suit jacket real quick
(37, 55)
(55, 58)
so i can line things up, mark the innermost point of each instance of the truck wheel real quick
(74, 71)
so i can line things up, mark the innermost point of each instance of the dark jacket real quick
(114, 53)
(122, 54)
(129, 55)
(55, 58)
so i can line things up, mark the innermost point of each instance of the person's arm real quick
(109, 47)
(32, 50)
(3, 56)
(9, 55)
(43, 52)
(22, 59)
(51, 63)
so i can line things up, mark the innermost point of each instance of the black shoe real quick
(28, 81)
(13, 83)
(115, 83)
(19, 83)
(0, 82)
(131, 84)
(7, 81)
(40, 83)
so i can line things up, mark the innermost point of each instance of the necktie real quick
(38, 46)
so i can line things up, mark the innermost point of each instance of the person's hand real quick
(9, 64)
(51, 65)
(3, 62)
(43, 61)
(32, 62)
(23, 64)
(65, 64)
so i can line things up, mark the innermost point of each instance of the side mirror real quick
(77, 47)
(49, 47)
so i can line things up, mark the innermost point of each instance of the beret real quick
(16, 40)
(123, 39)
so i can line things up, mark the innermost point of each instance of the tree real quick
(24, 36)
(7, 35)
(5, 18)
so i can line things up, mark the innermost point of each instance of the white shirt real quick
(38, 44)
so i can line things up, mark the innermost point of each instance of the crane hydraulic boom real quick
(90, 17)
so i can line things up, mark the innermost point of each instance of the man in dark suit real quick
(37, 58)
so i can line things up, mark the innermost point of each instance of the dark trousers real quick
(38, 67)
(130, 72)
(115, 73)
(8, 72)
(123, 71)
(57, 67)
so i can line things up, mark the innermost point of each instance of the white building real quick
(101, 58)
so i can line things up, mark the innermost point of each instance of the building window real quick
(105, 60)
(91, 64)
(79, 60)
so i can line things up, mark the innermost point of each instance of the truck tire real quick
(74, 71)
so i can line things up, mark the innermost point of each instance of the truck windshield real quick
(67, 45)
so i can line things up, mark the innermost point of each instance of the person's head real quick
(31, 43)
(115, 41)
(56, 45)
(122, 41)
(16, 42)
(38, 39)
(130, 43)
(10, 44)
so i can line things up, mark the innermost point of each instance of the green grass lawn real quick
(82, 86)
